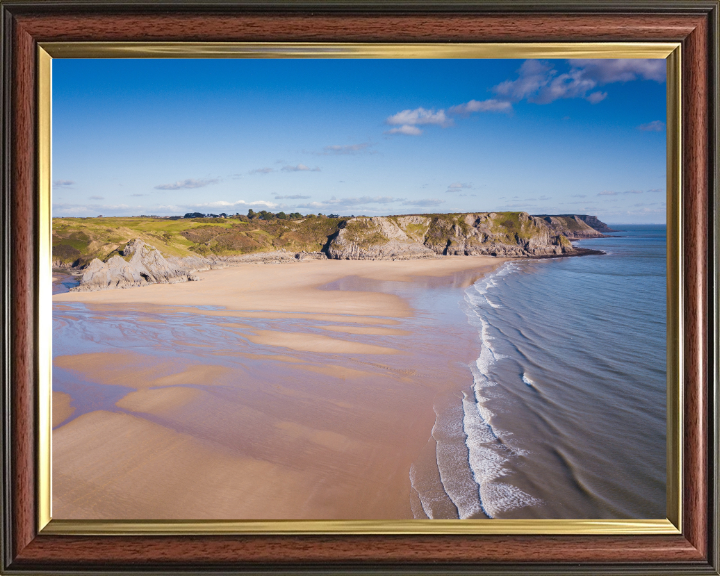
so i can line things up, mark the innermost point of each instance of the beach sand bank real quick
(293, 391)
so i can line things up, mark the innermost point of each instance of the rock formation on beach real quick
(145, 266)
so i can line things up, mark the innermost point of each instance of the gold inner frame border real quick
(669, 51)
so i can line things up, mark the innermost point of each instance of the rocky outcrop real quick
(508, 234)
(381, 238)
(145, 266)
(569, 220)
(595, 223)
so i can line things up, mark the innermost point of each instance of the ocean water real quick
(564, 411)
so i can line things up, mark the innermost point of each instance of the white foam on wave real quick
(487, 454)
(491, 303)
(470, 455)
(527, 380)
(452, 461)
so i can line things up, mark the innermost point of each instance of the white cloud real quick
(292, 197)
(654, 126)
(607, 193)
(261, 171)
(419, 117)
(299, 168)
(491, 105)
(63, 183)
(407, 121)
(97, 197)
(633, 192)
(186, 184)
(406, 129)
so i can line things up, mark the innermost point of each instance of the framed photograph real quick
(295, 287)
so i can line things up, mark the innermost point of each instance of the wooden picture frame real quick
(28, 549)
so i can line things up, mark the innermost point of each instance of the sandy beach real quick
(295, 391)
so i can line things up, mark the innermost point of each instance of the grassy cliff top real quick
(76, 241)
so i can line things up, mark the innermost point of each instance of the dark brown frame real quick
(694, 23)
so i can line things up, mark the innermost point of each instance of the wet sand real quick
(309, 395)
(61, 408)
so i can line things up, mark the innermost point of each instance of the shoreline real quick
(327, 404)
(273, 258)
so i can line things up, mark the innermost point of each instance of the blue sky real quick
(369, 137)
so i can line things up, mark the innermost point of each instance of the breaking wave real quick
(472, 455)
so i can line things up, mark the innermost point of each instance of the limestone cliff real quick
(575, 226)
(508, 234)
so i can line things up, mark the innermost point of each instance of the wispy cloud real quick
(539, 82)
(423, 203)
(138, 195)
(625, 192)
(186, 184)
(654, 126)
(292, 197)
(457, 187)
(407, 130)
(362, 148)
(97, 198)
(63, 183)
(299, 168)
(221, 204)
(351, 202)
(63, 208)
(491, 105)
(362, 200)
(261, 171)
(623, 70)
